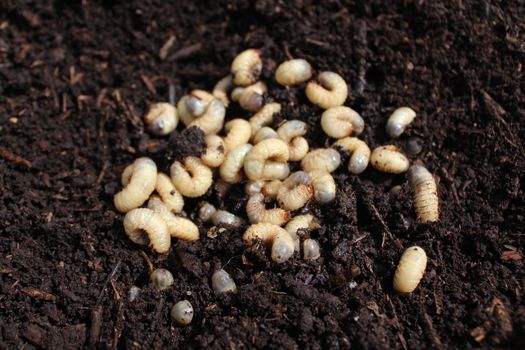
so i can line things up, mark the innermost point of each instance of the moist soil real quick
(75, 80)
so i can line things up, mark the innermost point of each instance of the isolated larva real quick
(264, 133)
(324, 186)
(410, 269)
(267, 160)
(161, 118)
(257, 212)
(264, 117)
(139, 181)
(282, 243)
(389, 159)
(293, 72)
(212, 120)
(222, 282)
(330, 90)
(222, 89)
(295, 191)
(292, 132)
(325, 159)
(215, 151)
(341, 121)
(399, 120)
(231, 169)
(144, 226)
(426, 202)
(168, 193)
(238, 132)
(161, 279)
(178, 227)
(246, 67)
(311, 249)
(359, 151)
(194, 185)
(182, 312)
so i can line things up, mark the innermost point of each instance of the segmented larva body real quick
(267, 160)
(325, 159)
(282, 243)
(257, 212)
(168, 193)
(238, 132)
(139, 181)
(291, 132)
(389, 159)
(213, 118)
(250, 98)
(144, 226)
(295, 191)
(410, 269)
(265, 116)
(193, 179)
(399, 120)
(246, 67)
(306, 221)
(225, 218)
(330, 90)
(231, 169)
(426, 202)
(271, 188)
(215, 151)
(359, 151)
(178, 227)
(264, 133)
(222, 89)
(190, 107)
(341, 121)
(293, 72)
(252, 187)
(324, 186)
(161, 118)
(206, 210)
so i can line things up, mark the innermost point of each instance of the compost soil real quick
(75, 80)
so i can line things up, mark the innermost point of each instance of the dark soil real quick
(75, 80)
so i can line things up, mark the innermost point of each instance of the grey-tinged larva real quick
(168, 193)
(252, 187)
(426, 202)
(206, 210)
(161, 118)
(215, 151)
(359, 151)
(250, 98)
(222, 282)
(190, 107)
(193, 179)
(161, 279)
(144, 226)
(264, 133)
(178, 227)
(257, 212)
(222, 89)
(306, 221)
(324, 186)
(311, 249)
(410, 269)
(283, 246)
(238, 132)
(267, 160)
(295, 191)
(291, 132)
(389, 159)
(246, 67)
(182, 312)
(325, 159)
(399, 120)
(213, 118)
(139, 181)
(330, 90)
(264, 117)
(341, 121)
(231, 170)
(225, 218)
(293, 72)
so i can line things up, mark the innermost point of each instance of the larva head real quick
(282, 249)
(222, 282)
(161, 279)
(182, 312)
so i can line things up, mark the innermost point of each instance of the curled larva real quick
(238, 132)
(426, 201)
(202, 95)
(359, 151)
(215, 151)
(161, 118)
(206, 210)
(264, 133)
(292, 132)
(194, 185)
(399, 120)
(252, 187)
(389, 159)
(293, 72)
(144, 226)
(264, 117)
(211, 121)
(330, 90)
(231, 169)
(222, 282)
(190, 107)
(246, 67)
(325, 159)
(311, 249)
(257, 212)
(267, 160)
(161, 279)
(283, 245)
(341, 121)
(139, 181)
(168, 193)
(271, 188)
(306, 221)
(222, 89)
(410, 269)
(295, 191)
(178, 227)
(182, 312)
(250, 98)
(324, 186)
(225, 218)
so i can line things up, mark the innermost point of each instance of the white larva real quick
(252, 187)
(306, 221)
(410, 269)
(330, 90)
(270, 189)
(246, 67)
(341, 121)
(139, 181)
(325, 159)
(144, 226)
(222, 89)
(324, 186)
(206, 210)
(182, 312)
(222, 282)
(161, 279)
(264, 133)
(311, 249)
(283, 245)
(168, 193)
(231, 169)
(238, 132)
(215, 151)
(161, 118)
(264, 117)
(267, 160)
(399, 120)
(426, 202)
(225, 218)
(213, 118)
(293, 72)
(178, 227)
(292, 132)
(359, 151)
(193, 179)
(295, 191)
(257, 212)
(389, 159)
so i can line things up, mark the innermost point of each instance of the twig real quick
(13, 158)
(186, 51)
(35, 293)
(148, 261)
(102, 172)
(111, 275)
(96, 325)
(385, 227)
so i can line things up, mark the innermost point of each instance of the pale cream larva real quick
(324, 186)
(311, 249)
(325, 159)
(410, 269)
(341, 121)
(250, 98)
(161, 118)
(190, 107)
(389, 159)
(271, 188)
(264, 117)
(225, 218)
(193, 179)
(257, 212)
(215, 151)
(178, 227)
(306, 221)
(231, 170)
(213, 118)
(267, 160)
(264, 133)
(295, 191)
(252, 187)
(292, 132)
(168, 193)
(144, 226)
(359, 153)
(283, 246)
(238, 132)
(293, 72)
(139, 181)
(399, 120)
(222, 89)
(330, 90)
(246, 67)
(426, 202)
